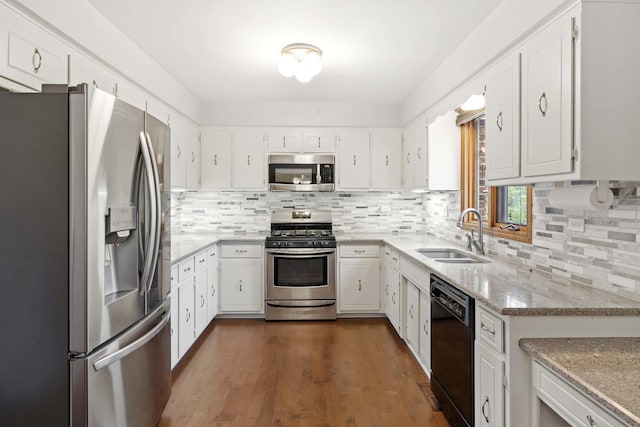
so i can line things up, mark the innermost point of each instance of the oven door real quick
(301, 274)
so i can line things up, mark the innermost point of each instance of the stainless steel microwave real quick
(301, 172)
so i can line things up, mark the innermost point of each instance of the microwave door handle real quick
(318, 177)
(158, 209)
(150, 179)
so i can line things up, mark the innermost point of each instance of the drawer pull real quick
(590, 420)
(36, 60)
(486, 402)
(359, 251)
(484, 328)
(241, 251)
(202, 260)
(187, 269)
(395, 259)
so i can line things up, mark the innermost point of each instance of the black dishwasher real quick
(452, 334)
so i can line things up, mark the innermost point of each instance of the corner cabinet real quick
(241, 278)
(358, 279)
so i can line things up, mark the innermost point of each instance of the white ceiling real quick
(374, 51)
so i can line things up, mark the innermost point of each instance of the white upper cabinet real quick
(193, 136)
(353, 160)
(249, 160)
(547, 89)
(283, 141)
(319, 141)
(30, 55)
(407, 159)
(178, 153)
(502, 113)
(216, 159)
(444, 153)
(415, 154)
(386, 152)
(85, 70)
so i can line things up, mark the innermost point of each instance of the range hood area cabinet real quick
(561, 105)
(431, 154)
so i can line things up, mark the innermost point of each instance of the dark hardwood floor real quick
(351, 372)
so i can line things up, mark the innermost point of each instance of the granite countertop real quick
(605, 369)
(507, 288)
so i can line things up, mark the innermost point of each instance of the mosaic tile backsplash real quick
(606, 255)
(251, 211)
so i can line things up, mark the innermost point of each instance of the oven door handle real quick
(296, 304)
(291, 254)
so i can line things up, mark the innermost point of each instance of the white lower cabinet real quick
(212, 283)
(175, 355)
(358, 278)
(241, 279)
(425, 331)
(392, 293)
(186, 318)
(489, 388)
(201, 298)
(412, 317)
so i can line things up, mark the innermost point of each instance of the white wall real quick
(500, 30)
(301, 114)
(81, 22)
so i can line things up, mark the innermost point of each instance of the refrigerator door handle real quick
(157, 212)
(125, 351)
(149, 261)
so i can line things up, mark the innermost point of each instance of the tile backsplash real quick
(605, 255)
(251, 211)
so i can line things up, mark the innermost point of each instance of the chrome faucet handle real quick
(469, 240)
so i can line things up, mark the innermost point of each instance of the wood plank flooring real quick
(351, 372)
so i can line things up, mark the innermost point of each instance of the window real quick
(505, 210)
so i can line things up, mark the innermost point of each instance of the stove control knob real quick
(276, 244)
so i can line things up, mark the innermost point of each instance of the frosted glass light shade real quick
(303, 61)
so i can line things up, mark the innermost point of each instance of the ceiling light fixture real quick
(301, 60)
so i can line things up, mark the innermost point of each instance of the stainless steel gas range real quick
(301, 266)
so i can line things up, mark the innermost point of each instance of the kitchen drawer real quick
(567, 401)
(241, 251)
(356, 251)
(392, 256)
(174, 275)
(200, 260)
(30, 55)
(416, 274)
(185, 268)
(212, 254)
(490, 329)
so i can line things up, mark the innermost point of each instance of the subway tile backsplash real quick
(606, 255)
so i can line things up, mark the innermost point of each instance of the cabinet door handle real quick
(485, 403)
(591, 421)
(188, 315)
(393, 298)
(193, 157)
(201, 301)
(36, 60)
(95, 85)
(202, 260)
(284, 142)
(248, 160)
(240, 285)
(408, 161)
(411, 312)
(359, 285)
(485, 328)
(318, 142)
(386, 160)
(499, 121)
(543, 97)
(215, 160)
(179, 152)
(424, 327)
(354, 160)
(419, 153)
(386, 289)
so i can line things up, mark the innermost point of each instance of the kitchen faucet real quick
(478, 244)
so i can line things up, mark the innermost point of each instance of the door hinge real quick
(574, 154)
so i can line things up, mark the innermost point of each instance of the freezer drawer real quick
(128, 382)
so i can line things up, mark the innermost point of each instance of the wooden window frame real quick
(468, 196)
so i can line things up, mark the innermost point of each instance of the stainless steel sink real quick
(450, 256)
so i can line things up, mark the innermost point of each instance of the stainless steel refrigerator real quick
(84, 260)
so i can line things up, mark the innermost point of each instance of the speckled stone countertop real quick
(605, 369)
(507, 288)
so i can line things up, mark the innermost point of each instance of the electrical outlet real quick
(576, 224)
